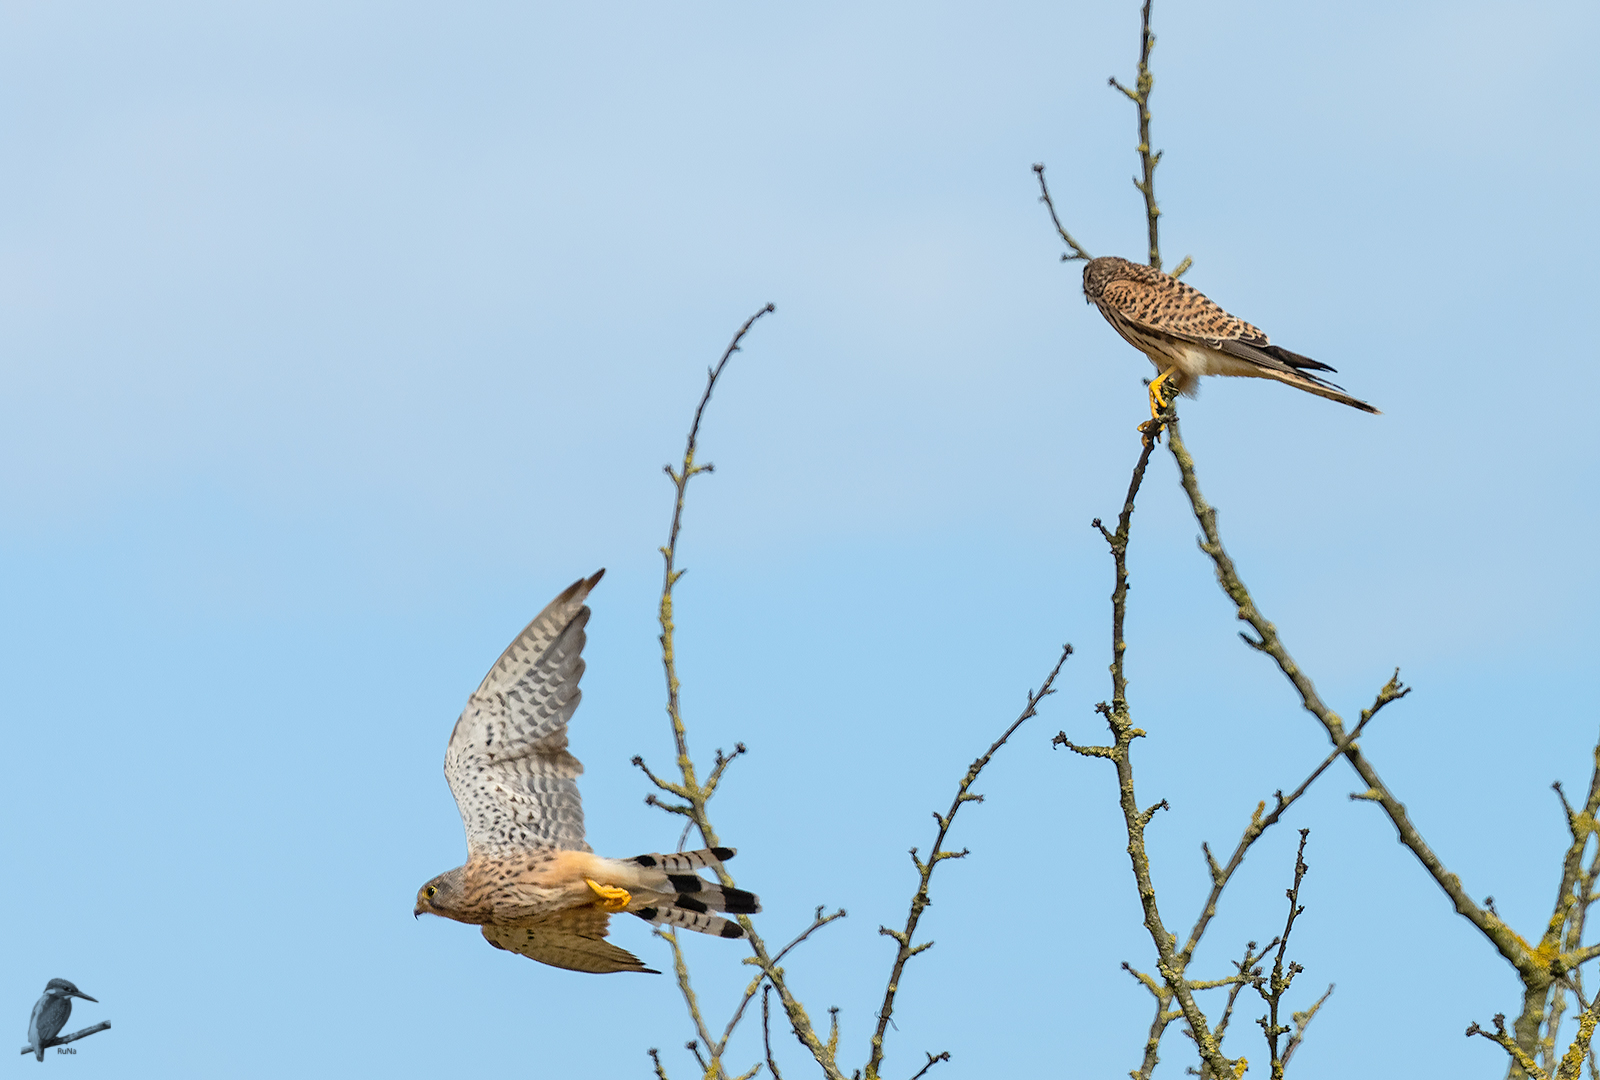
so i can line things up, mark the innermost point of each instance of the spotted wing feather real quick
(1158, 302)
(573, 939)
(507, 763)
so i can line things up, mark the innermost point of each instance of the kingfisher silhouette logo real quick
(50, 1015)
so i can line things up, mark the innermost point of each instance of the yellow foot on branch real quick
(1160, 401)
(611, 897)
(1158, 397)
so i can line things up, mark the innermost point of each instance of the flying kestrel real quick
(1186, 336)
(530, 881)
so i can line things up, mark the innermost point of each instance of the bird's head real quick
(1098, 273)
(442, 895)
(61, 988)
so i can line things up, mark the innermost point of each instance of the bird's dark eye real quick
(431, 891)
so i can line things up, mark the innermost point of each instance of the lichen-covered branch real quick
(925, 868)
(1261, 821)
(1500, 1036)
(694, 794)
(1170, 965)
(817, 923)
(1267, 641)
(1539, 966)
(1148, 158)
(1273, 987)
(687, 471)
(680, 971)
(1302, 1021)
(766, 1031)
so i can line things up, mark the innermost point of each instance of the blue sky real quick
(336, 338)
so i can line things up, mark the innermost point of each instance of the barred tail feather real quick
(675, 915)
(673, 875)
(686, 862)
(667, 891)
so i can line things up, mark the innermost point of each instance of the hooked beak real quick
(416, 912)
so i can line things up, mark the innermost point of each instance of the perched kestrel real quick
(1186, 336)
(530, 881)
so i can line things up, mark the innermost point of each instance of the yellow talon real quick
(1158, 400)
(611, 897)
(1151, 428)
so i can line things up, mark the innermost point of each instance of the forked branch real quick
(925, 868)
(694, 794)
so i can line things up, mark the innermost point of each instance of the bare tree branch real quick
(1148, 158)
(1509, 1045)
(1066, 237)
(1539, 967)
(1302, 1020)
(766, 1032)
(817, 923)
(1259, 824)
(1170, 965)
(680, 970)
(1274, 987)
(925, 868)
(669, 555)
(1268, 642)
(694, 794)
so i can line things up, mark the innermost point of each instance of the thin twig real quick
(670, 575)
(1148, 159)
(1248, 970)
(681, 970)
(1302, 1020)
(817, 923)
(1274, 987)
(766, 1032)
(925, 868)
(933, 1059)
(695, 794)
(721, 766)
(1044, 196)
(1509, 1045)
(1393, 690)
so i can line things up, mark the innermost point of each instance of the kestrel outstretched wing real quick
(1161, 303)
(507, 762)
(573, 939)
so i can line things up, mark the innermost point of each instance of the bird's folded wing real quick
(1169, 306)
(507, 762)
(1275, 357)
(573, 939)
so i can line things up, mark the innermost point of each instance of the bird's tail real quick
(667, 891)
(1313, 385)
(685, 862)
